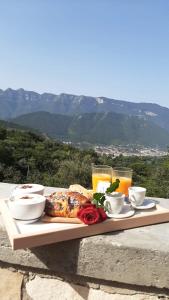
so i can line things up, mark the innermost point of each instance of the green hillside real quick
(11, 125)
(28, 157)
(101, 128)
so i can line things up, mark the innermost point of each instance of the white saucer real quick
(147, 204)
(28, 221)
(126, 212)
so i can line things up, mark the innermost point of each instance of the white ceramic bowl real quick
(27, 207)
(28, 188)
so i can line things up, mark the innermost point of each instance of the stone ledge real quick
(137, 256)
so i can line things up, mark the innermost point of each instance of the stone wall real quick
(23, 284)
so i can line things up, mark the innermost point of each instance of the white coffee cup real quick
(136, 195)
(114, 202)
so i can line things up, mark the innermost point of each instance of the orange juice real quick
(125, 183)
(97, 177)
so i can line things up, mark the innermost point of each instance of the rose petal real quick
(103, 215)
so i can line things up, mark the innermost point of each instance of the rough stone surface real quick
(114, 290)
(51, 289)
(133, 290)
(41, 288)
(114, 261)
(137, 256)
(10, 285)
(98, 295)
(25, 296)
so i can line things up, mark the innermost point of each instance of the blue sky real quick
(112, 48)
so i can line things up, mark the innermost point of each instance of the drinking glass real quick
(101, 178)
(125, 177)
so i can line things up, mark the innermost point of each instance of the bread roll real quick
(65, 204)
(80, 189)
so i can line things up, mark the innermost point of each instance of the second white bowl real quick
(27, 207)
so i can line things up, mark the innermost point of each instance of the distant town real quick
(130, 150)
(125, 150)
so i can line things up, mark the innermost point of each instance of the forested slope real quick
(28, 157)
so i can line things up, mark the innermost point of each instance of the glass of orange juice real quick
(101, 178)
(125, 177)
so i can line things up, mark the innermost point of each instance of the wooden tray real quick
(39, 233)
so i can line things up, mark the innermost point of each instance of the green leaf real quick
(98, 199)
(97, 196)
(114, 186)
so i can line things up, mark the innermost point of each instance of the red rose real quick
(91, 215)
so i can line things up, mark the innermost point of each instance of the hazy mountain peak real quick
(10, 90)
(99, 100)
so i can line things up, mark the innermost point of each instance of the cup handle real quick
(132, 199)
(11, 198)
(107, 205)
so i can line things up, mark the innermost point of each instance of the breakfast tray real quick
(40, 233)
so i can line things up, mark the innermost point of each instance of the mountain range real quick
(123, 121)
(96, 128)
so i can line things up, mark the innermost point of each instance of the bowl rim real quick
(18, 198)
